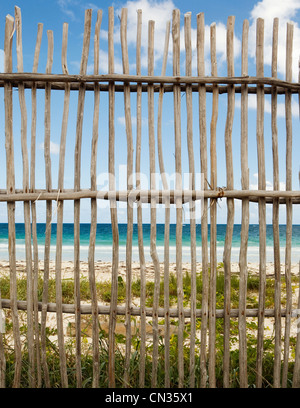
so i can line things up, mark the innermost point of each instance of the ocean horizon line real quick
(104, 240)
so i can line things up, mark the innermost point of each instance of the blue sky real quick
(53, 14)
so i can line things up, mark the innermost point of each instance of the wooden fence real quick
(202, 352)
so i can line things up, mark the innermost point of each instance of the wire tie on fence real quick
(221, 192)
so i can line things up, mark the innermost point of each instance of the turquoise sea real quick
(104, 242)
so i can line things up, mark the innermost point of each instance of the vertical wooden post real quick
(277, 289)
(10, 182)
(9, 176)
(289, 205)
(296, 373)
(48, 208)
(213, 214)
(189, 109)
(113, 205)
(60, 207)
(30, 315)
(33, 208)
(230, 201)
(167, 213)
(245, 216)
(203, 165)
(153, 251)
(77, 176)
(125, 60)
(261, 201)
(139, 204)
(93, 231)
(178, 186)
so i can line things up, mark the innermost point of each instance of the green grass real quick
(104, 295)
(53, 362)
(104, 289)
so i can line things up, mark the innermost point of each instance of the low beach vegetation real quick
(104, 296)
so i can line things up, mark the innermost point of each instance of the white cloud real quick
(285, 11)
(89, 68)
(65, 7)
(269, 184)
(252, 104)
(103, 63)
(221, 32)
(104, 34)
(121, 121)
(54, 147)
(160, 12)
(91, 6)
(275, 8)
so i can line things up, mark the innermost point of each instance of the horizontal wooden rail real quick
(145, 196)
(74, 86)
(136, 311)
(52, 78)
